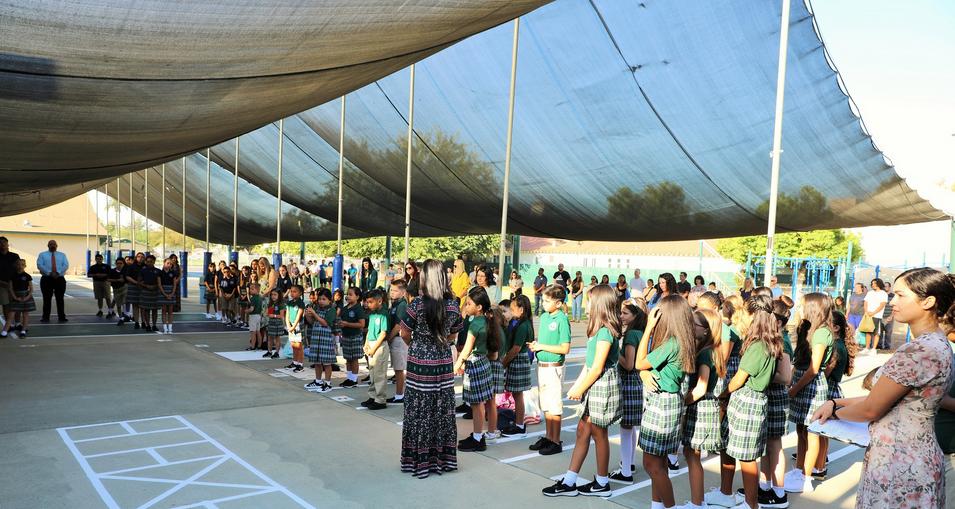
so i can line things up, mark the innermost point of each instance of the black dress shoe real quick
(374, 405)
(538, 444)
(63, 320)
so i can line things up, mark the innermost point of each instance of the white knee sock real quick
(570, 478)
(627, 438)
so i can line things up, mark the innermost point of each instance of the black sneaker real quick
(399, 401)
(348, 383)
(469, 444)
(793, 456)
(63, 320)
(617, 476)
(290, 366)
(266, 355)
(559, 489)
(538, 444)
(594, 489)
(298, 369)
(314, 386)
(673, 466)
(275, 355)
(119, 322)
(336, 367)
(155, 328)
(551, 448)
(366, 379)
(392, 379)
(367, 402)
(463, 407)
(23, 333)
(772, 501)
(513, 430)
(815, 475)
(99, 314)
(311, 366)
(468, 414)
(44, 320)
(136, 325)
(374, 405)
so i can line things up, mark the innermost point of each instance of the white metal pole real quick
(341, 175)
(208, 185)
(777, 142)
(278, 201)
(146, 205)
(87, 221)
(162, 221)
(183, 189)
(507, 154)
(118, 226)
(132, 229)
(96, 218)
(408, 176)
(235, 199)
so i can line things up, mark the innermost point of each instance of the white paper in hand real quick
(856, 433)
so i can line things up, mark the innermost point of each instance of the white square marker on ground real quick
(142, 466)
(244, 355)
(342, 399)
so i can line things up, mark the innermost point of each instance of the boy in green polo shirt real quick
(255, 318)
(553, 343)
(376, 348)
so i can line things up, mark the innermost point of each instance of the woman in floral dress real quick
(903, 464)
(429, 435)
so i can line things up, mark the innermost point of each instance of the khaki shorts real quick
(255, 322)
(4, 294)
(399, 354)
(101, 290)
(119, 296)
(550, 381)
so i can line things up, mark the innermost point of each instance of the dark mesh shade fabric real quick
(633, 121)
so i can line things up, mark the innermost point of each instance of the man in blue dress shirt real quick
(52, 265)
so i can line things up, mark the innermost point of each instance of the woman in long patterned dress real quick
(903, 463)
(429, 434)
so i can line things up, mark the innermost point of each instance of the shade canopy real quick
(633, 121)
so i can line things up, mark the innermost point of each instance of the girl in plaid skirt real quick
(497, 375)
(633, 318)
(732, 310)
(599, 392)
(275, 323)
(701, 430)
(321, 349)
(841, 364)
(666, 354)
(810, 388)
(746, 412)
(483, 336)
(516, 362)
(22, 301)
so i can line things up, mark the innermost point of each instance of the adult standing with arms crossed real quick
(52, 264)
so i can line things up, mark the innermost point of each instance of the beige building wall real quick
(29, 246)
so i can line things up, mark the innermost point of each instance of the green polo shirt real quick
(478, 329)
(352, 314)
(376, 322)
(520, 335)
(256, 301)
(554, 330)
(705, 358)
(759, 365)
(603, 335)
(665, 362)
(842, 362)
(788, 345)
(730, 333)
(823, 337)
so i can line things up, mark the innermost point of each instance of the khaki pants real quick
(949, 462)
(378, 365)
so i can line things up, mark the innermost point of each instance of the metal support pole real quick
(951, 250)
(701, 258)
(235, 199)
(146, 206)
(88, 261)
(183, 191)
(507, 155)
(278, 200)
(341, 176)
(132, 228)
(162, 221)
(208, 185)
(119, 224)
(777, 140)
(107, 254)
(408, 174)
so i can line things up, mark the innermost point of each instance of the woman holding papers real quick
(903, 463)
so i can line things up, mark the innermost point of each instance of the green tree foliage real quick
(831, 244)
(802, 210)
(441, 248)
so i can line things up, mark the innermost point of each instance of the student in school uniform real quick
(166, 297)
(255, 317)
(149, 293)
(209, 285)
(353, 323)
(99, 272)
(746, 412)
(633, 319)
(841, 364)
(667, 352)
(275, 324)
(551, 346)
(497, 374)
(22, 302)
(294, 312)
(134, 290)
(220, 301)
(483, 334)
(376, 349)
(701, 430)
(398, 349)
(243, 302)
(810, 387)
(520, 332)
(228, 290)
(598, 390)
(117, 282)
(322, 342)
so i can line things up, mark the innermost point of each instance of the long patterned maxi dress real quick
(429, 434)
(903, 464)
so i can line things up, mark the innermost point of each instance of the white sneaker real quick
(3, 334)
(742, 505)
(715, 497)
(795, 482)
(218, 316)
(492, 436)
(208, 316)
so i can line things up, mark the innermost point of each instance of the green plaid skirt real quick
(497, 377)
(746, 424)
(148, 298)
(352, 347)
(662, 424)
(809, 399)
(835, 390)
(732, 366)
(601, 402)
(518, 375)
(133, 293)
(321, 348)
(631, 397)
(477, 380)
(23, 306)
(702, 427)
(162, 300)
(275, 327)
(777, 410)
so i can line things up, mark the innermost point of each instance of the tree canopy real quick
(832, 244)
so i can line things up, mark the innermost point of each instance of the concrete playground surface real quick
(96, 415)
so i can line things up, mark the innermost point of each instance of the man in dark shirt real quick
(683, 286)
(562, 278)
(540, 282)
(99, 273)
(8, 267)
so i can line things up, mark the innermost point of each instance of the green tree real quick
(804, 209)
(831, 244)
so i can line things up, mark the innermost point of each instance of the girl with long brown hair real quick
(599, 391)
(483, 336)
(810, 388)
(633, 318)
(666, 354)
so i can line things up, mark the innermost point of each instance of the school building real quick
(66, 223)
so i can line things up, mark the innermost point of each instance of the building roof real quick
(66, 218)
(688, 248)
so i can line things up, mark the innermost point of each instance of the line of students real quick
(138, 290)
